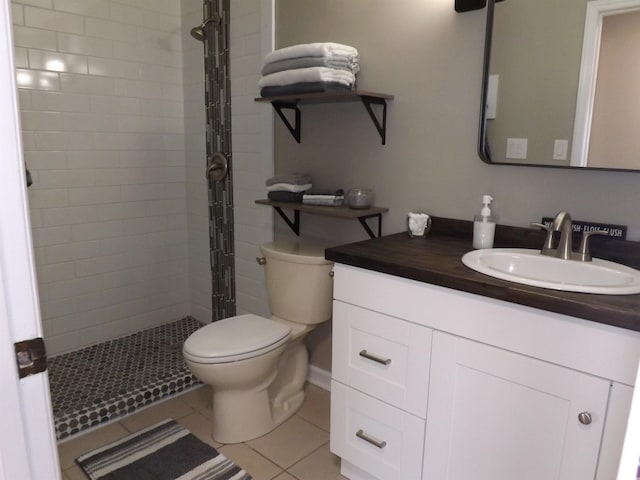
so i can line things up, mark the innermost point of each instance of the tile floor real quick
(296, 450)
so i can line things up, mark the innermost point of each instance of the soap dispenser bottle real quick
(484, 225)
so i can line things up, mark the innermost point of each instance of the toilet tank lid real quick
(234, 336)
(297, 251)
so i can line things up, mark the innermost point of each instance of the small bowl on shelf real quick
(360, 198)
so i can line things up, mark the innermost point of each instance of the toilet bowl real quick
(257, 366)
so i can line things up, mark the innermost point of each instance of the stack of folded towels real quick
(288, 188)
(309, 68)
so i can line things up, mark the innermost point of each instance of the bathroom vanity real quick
(440, 372)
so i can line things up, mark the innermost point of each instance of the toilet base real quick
(242, 416)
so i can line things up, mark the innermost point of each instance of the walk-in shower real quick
(111, 136)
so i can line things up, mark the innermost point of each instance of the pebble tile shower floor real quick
(102, 382)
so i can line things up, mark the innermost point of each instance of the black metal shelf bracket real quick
(293, 129)
(367, 101)
(363, 222)
(293, 225)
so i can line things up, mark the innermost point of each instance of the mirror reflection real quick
(562, 84)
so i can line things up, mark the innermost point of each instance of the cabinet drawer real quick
(382, 356)
(382, 440)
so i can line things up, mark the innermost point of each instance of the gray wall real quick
(430, 58)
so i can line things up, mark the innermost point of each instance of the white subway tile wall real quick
(112, 109)
(101, 96)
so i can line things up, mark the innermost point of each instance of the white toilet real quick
(258, 366)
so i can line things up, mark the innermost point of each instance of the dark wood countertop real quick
(436, 259)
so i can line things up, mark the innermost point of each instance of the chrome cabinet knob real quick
(584, 418)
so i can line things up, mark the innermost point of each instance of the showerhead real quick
(198, 32)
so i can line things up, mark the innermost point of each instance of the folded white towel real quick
(325, 49)
(336, 61)
(288, 187)
(307, 75)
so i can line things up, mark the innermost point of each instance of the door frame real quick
(596, 11)
(28, 447)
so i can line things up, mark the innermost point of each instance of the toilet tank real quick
(299, 281)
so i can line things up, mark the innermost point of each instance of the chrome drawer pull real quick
(375, 358)
(372, 441)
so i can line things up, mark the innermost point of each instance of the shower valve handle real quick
(218, 167)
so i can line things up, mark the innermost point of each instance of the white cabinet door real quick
(497, 415)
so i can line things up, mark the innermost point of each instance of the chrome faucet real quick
(563, 224)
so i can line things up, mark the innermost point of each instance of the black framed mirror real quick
(561, 84)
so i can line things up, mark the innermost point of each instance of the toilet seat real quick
(235, 338)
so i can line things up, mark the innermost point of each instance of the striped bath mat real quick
(165, 451)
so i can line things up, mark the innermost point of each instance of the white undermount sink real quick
(530, 267)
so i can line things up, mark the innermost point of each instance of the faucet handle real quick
(548, 243)
(541, 225)
(583, 252)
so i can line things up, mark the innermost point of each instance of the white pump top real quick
(486, 211)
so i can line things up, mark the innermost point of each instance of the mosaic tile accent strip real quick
(96, 384)
(218, 135)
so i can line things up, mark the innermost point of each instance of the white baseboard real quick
(319, 377)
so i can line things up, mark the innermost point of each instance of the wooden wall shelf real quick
(291, 102)
(362, 214)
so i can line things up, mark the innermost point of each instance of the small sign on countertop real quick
(615, 231)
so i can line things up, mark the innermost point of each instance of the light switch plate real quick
(560, 149)
(517, 148)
